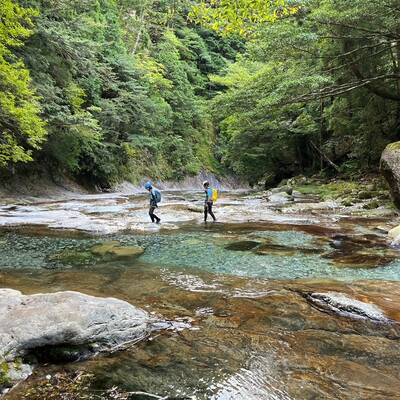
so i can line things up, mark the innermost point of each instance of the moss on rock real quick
(4, 378)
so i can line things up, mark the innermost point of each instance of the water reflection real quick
(254, 382)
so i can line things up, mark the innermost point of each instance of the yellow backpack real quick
(214, 196)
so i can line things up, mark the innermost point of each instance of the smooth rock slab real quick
(66, 318)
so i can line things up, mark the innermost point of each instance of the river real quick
(240, 298)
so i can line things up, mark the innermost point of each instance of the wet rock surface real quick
(117, 213)
(251, 339)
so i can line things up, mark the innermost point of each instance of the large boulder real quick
(66, 318)
(390, 168)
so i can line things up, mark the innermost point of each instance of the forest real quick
(110, 90)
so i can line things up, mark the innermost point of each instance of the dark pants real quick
(208, 210)
(152, 215)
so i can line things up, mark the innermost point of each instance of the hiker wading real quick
(155, 198)
(208, 203)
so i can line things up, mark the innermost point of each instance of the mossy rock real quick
(366, 195)
(347, 202)
(113, 250)
(103, 248)
(393, 146)
(72, 257)
(125, 252)
(371, 205)
(5, 381)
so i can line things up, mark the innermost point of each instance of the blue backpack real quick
(156, 195)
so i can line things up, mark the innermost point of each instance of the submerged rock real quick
(282, 250)
(71, 257)
(66, 318)
(339, 303)
(243, 245)
(113, 249)
(366, 251)
(126, 251)
(103, 248)
(361, 260)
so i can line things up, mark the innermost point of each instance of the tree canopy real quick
(105, 90)
(121, 87)
(240, 16)
(317, 89)
(21, 128)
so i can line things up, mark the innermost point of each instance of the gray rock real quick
(72, 318)
(282, 189)
(344, 305)
(18, 371)
(390, 168)
(280, 198)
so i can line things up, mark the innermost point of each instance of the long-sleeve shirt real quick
(153, 202)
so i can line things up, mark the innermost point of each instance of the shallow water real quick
(202, 249)
(239, 326)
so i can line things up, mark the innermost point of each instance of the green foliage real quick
(21, 129)
(240, 16)
(121, 86)
(315, 90)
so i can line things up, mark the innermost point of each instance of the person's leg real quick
(151, 213)
(210, 211)
(205, 212)
(154, 216)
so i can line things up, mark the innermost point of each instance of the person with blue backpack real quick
(211, 194)
(155, 198)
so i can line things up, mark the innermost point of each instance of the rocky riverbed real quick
(290, 296)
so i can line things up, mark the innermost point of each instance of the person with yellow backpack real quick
(211, 197)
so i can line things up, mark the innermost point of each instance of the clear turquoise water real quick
(216, 359)
(193, 250)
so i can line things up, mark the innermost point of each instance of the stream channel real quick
(239, 294)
